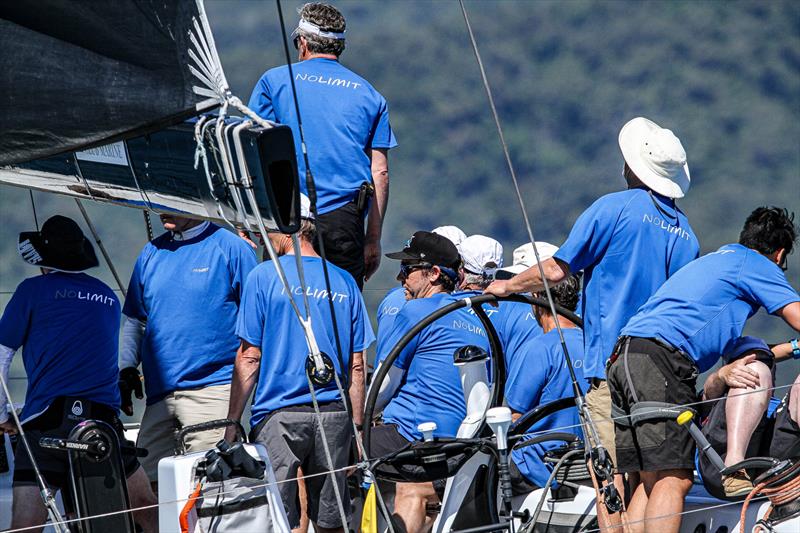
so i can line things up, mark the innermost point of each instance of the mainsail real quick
(94, 97)
(78, 73)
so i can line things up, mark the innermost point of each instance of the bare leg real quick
(743, 411)
(665, 500)
(638, 505)
(409, 504)
(794, 401)
(28, 509)
(141, 496)
(303, 497)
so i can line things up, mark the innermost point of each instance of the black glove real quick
(129, 381)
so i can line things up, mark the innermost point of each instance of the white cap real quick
(451, 233)
(524, 258)
(656, 156)
(481, 255)
(305, 207)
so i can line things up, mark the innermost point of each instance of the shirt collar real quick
(190, 233)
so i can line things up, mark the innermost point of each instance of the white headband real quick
(313, 29)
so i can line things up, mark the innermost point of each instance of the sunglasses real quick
(406, 270)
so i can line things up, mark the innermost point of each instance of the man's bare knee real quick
(27, 508)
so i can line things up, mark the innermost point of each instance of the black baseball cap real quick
(428, 247)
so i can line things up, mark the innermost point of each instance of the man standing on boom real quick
(627, 244)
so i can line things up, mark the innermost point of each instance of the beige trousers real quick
(598, 401)
(162, 421)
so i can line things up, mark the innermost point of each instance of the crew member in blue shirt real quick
(681, 331)
(272, 359)
(180, 323)
(67, 324)
(423, 385)
(396, 297)
(539, 375)
(347, 134)
(627, 244)
(515, 323)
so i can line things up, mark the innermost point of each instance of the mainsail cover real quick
(81, 73)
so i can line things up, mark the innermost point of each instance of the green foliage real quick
(725, 76)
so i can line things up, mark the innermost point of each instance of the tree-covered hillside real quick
(724, 76)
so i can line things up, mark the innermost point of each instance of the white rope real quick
(200, 153)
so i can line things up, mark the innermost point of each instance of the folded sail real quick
(80, 73)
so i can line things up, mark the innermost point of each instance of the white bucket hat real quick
(451, 233)
(656, 156)
(524, 258)
(481, 255)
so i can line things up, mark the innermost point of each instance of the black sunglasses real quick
(406, 270)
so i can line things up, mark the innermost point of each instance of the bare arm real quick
(791, 314)
(531, 280)
(733, 375)
(380, 178)
(357, 380)
(245, 375)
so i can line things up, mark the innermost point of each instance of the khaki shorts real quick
(162, 421)
(598, 401)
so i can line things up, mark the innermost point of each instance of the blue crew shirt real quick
(702, 309)
(627, 244)
(343, 118)
(431, 390)
(68, 328)
(188, 292)
(267, 320)
(391, 304)
(514, 323)
(539, 375)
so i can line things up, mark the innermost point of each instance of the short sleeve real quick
(16, 319)
(591, 235)
(387, 342)
(764, 283)
(383, 136)
(242, 261)
(250, 322)
(527, 377)
(363, 336)
(261, 100)
(134, 298)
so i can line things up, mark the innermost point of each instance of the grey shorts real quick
(293, 439)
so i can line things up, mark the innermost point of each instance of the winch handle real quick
(180, 444)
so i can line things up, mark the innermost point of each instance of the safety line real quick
(350, 467)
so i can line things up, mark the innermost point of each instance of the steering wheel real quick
(451, 453)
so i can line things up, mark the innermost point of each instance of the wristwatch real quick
(795, 349)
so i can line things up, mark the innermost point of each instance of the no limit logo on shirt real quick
(72, 294)
(327, 80)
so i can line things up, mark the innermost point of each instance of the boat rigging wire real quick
(102, 247)
(46, 494)
(361, 465)
(611, 499)
(341, 382)
(33, 207)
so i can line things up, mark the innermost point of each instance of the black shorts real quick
(519, 483)
(58, 421)
(658, 374)
(386, 439)
(786, 435)
(343, 234)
